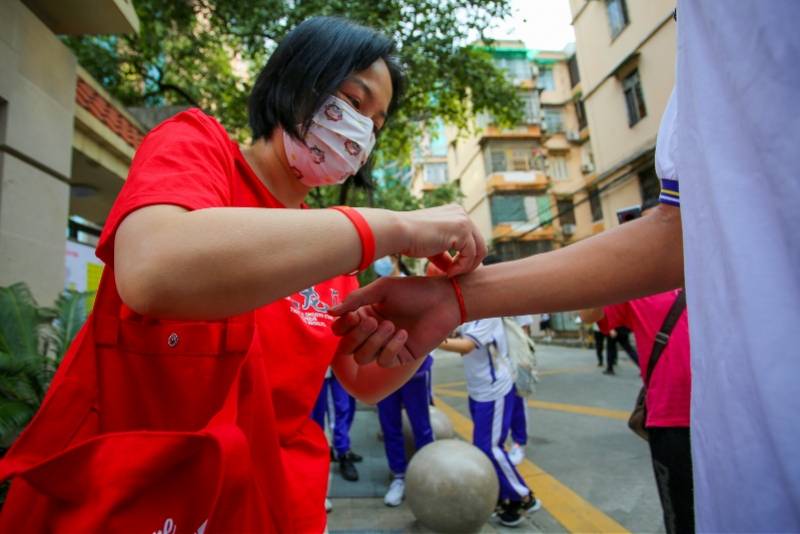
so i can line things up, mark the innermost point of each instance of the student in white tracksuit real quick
(491, 392)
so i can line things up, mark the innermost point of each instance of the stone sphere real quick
(440, 424)
(451, 487)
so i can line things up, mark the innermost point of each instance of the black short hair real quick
(309, 65)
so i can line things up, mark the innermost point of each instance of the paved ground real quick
(589, 470)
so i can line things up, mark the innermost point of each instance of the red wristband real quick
(462, 308)
(364, 234)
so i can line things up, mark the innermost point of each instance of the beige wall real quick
(597, 52)
(648, 43)
(37, 83)
(612, 139)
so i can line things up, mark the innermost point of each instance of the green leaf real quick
(20, 320)
(14, 415)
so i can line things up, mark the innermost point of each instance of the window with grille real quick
(530, 109)
(617, 16)
(436, 173)
(558, 168)
(574, 74)
(520, 160)
(546, 80)
(634, 98)
(596, 205)
(499, 161)
(552, 120)
(508, 209)
(566, 211)
(580, 111)
(514, 250)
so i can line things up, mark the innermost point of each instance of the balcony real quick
(529, 131)
(517, 181)
(522, 231)
(74, 17)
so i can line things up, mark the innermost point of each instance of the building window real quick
(499, 161)
(566, 211)
(514, 250)
(508, 209)
(558, 168)
(649, 184)
(552, 120)
(580, 111)
(634, 98)
(516, 69)
(574, 74)
(596, 205)
(530, 110)
(617, 16)
(546, 80)
(436, 173)
(520, 160)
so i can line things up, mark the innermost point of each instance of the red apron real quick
(138, 432)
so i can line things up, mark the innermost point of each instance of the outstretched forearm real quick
(371, 383)
(639, 258)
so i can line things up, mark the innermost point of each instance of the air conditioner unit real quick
(573, 135)
(568, 229)
(587, 168)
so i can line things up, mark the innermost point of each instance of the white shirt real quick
(488, 378)
(739, 167)
(524, 320)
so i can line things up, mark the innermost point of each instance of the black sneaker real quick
(353, 457)
(531, 504)
(510, 514)
(347, 469)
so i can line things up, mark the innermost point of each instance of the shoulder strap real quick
(662, 338)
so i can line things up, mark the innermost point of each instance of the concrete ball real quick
(451, 487)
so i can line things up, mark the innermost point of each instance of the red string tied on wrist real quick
(365, 235)
(443, 262)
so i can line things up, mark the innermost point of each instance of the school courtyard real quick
(589, 470)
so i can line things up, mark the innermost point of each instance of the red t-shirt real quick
(670, 389)
(190, 161)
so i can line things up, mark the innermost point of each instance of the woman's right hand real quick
(428, 232)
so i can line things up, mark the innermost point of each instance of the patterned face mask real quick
(337, 144)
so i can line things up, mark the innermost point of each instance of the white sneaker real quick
(397, 490)
(328, 505)
(516, 454)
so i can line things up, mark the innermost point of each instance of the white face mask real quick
(337, 144)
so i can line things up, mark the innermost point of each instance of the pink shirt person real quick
(669, 392)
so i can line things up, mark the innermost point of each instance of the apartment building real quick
(626, 67)
(513, 180)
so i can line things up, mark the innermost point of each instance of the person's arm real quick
(461, 345)
(218, 262)
(641, 257)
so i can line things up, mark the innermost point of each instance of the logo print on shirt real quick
(311, 300)
(335, 300)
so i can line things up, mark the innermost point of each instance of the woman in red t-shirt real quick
(188, 245)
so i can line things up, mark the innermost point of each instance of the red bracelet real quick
(364, 234)
(462, 308)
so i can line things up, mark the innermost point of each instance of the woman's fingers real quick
(372, 346)
(344, 324)
(389, 354)
(357, 335)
